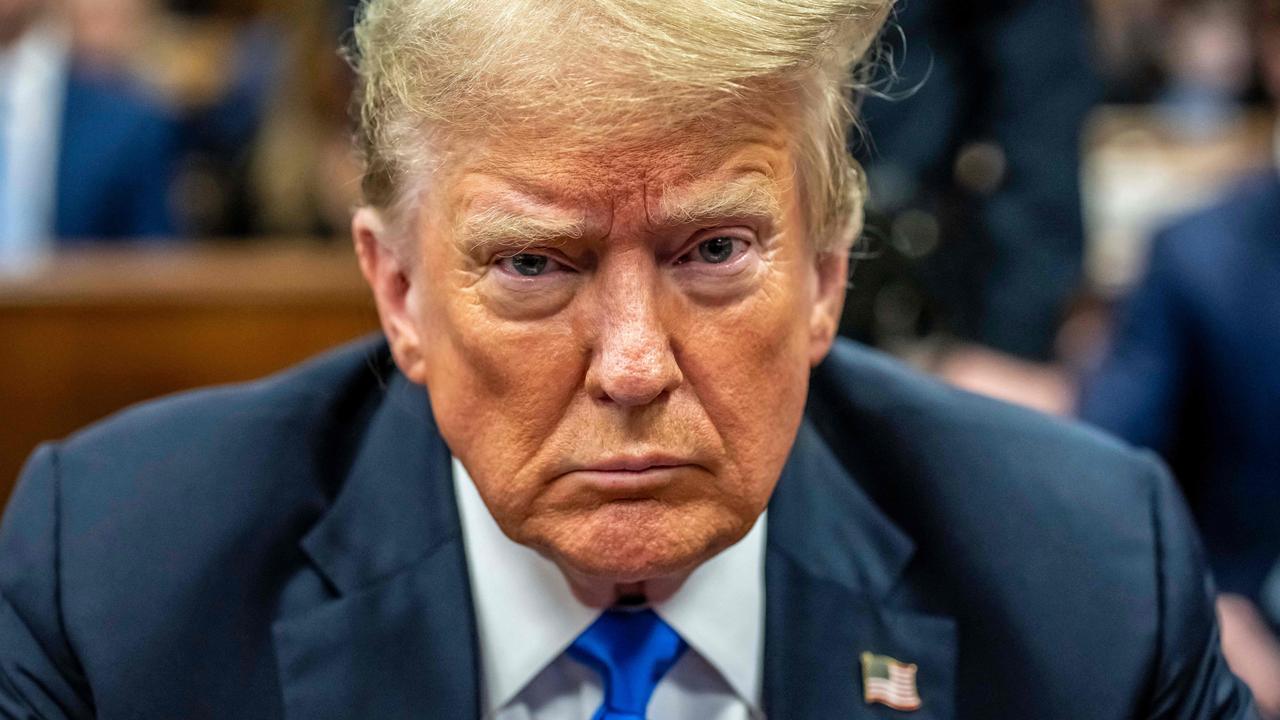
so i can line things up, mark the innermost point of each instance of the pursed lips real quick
(635, 463)
(631, 476)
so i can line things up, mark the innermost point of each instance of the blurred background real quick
(1075, 206)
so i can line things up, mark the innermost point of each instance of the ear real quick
(391, 280)
(832, 273)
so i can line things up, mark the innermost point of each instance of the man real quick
(83, 154)
(609, 240)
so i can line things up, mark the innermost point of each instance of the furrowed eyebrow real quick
(746, 197)
(506, 230)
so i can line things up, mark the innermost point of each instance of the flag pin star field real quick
(889, 682)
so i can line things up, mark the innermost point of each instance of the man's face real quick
(15, 15)
(617, 343)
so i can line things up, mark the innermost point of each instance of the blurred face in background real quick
(108, 33)
(617, 341)
(1210, 47)
(15, 16)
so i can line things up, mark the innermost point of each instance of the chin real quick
(641, 540)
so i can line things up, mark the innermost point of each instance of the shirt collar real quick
(719, 611)
(526, 614)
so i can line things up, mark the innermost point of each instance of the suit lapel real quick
(832, 564)
(398, 641)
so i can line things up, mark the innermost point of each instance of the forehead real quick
(615, 174)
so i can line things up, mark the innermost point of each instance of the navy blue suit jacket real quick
(291, 549)
(118, 154)
(1194, 373)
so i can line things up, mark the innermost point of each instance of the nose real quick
(633, 363)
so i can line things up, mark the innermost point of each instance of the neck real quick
(602, 593)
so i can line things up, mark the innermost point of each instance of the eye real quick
(529, 264)
(714, 250)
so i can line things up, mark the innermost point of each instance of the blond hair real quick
(438, 70)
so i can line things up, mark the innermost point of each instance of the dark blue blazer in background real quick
(1194, 373)
(118, 153)
(291, 549)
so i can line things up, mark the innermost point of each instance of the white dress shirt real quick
(33, 74)
(526, 616)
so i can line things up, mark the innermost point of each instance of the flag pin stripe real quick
(889, 682)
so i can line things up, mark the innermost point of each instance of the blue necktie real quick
(631, 650)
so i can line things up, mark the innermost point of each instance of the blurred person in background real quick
(973, 160)
(304, 172)
(1207, 55)
(271, 143)
(108, 34)
(975, 232)
(85, 154)
(1192, 373)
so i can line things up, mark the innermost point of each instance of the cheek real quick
(498, 388)
(748, 364)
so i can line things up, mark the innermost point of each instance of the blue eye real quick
(528, 264)
(716, 250)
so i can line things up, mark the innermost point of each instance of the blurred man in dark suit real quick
(83, 154)
(974, 167)
(608, 460)
(1192, 373)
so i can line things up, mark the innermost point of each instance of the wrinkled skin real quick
(683, 342)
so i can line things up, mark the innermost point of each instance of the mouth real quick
(631, 477)
(635, 464)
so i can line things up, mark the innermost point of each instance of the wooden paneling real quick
(88, 333)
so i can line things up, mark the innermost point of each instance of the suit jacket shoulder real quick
(895, 428)
(172, 523)
(1051, 544)
(231, 445)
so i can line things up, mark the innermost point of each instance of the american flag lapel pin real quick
(889, 682)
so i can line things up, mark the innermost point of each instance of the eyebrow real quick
(504, 229)
(746, 197)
